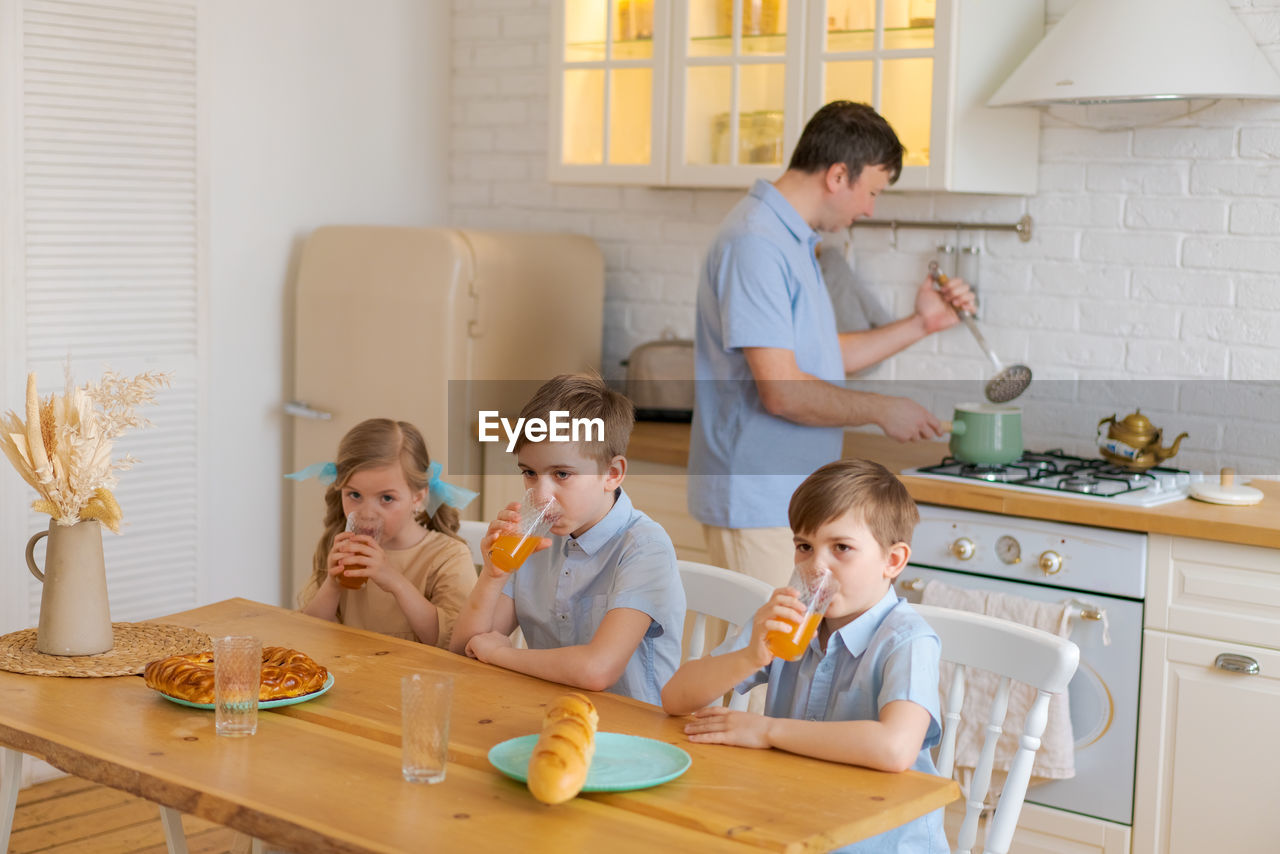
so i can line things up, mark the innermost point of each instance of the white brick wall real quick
(1155, 255)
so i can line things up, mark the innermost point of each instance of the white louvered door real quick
(106, 221)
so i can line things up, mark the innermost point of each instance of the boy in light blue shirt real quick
(865, 690)
(600, 603)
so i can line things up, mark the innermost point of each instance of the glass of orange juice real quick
(510, 550)
(370, 525)
(817, 586)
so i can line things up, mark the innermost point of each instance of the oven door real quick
(1104, 693)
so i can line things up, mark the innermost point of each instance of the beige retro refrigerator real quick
(386, 317)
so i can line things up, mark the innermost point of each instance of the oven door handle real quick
(1091, 612)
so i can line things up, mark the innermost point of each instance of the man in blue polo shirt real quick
(771, 404)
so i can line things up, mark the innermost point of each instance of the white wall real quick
(1154, 253)
(322, 111)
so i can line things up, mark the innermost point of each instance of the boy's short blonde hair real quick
(585, 396)
(867, 488)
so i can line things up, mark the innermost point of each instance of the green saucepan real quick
(985, 433)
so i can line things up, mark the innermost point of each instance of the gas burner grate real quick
(1060, 472)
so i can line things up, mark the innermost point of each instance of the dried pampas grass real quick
(63, 447)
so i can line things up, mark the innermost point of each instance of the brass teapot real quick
(1133, 443)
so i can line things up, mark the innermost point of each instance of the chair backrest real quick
(473, 533)
(1012, 652)
(712, 591)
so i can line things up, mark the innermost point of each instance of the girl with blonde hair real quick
(421, 570)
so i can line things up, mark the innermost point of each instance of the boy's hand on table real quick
(718, 725)
(482, 646)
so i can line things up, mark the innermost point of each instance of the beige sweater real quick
(439, 566)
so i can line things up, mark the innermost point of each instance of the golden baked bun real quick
(285, 673)
(562, 757)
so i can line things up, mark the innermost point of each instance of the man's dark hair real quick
(849, 133)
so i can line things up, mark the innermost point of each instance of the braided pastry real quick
(285, 673)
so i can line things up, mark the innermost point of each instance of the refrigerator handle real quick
(298, 409)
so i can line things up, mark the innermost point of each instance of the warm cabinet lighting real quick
(715, 93)
(610, 77)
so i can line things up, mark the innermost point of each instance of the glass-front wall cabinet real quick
(609, 90)
(716, 92)
(736, 90)
(886, 60)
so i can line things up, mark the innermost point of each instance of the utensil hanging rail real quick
(1022, 227)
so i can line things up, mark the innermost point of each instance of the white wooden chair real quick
(473, 532)
(712, 591)
(1013, 652)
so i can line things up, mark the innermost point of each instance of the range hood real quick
(1106, 51)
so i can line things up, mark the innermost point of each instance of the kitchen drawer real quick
(658, 490)
(1214, 590)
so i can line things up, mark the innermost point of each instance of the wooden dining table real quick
(324, 775)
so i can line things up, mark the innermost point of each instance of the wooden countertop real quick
(1256, 525)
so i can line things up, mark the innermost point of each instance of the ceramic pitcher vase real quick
(75, 618)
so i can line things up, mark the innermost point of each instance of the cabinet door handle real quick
(914, 585)
(1237, 664)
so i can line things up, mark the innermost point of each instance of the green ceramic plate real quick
(262, 704)
(621, 763)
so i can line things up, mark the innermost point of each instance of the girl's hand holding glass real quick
(358, 548)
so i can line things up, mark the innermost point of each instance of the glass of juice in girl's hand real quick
(509, 550)
(370, 525)
(817, 586)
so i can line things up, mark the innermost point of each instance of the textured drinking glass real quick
(370, 525)
(425, 699)
(817, 586)
(509, 551)
(237, 677)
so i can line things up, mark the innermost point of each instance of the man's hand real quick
(718, 725)
(907, 421)
(937, 307)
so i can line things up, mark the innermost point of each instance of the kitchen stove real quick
(1072, 477)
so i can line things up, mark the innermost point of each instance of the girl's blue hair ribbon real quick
(326, 473)
(439, 492)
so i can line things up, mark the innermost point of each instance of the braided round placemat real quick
(135, 644)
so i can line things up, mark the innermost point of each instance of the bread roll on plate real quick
(562, 757)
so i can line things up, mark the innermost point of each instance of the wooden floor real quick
(74, 816)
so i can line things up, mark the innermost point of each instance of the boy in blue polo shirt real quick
(602, 608)
(865, 691)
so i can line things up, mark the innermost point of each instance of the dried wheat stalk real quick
(63, 448)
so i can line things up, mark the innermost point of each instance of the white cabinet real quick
(1208, 739)
(715, 93)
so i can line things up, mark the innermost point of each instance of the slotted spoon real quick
(1008, 381)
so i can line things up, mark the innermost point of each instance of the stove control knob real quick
(963, 548)
(1050, 563)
